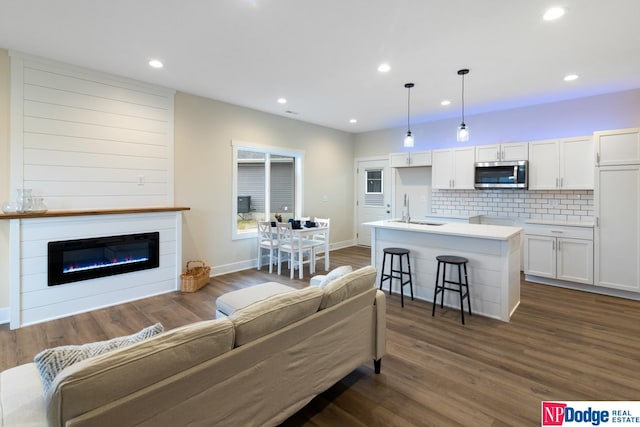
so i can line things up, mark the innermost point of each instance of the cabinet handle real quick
(553, 245)
(598, 159)
(561, 182)
(556, 182)
(557, 231)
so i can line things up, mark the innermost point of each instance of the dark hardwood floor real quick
(560, 345)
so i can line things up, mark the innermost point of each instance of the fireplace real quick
(83, 259)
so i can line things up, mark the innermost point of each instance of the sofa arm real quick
(380, 333)
(21, 398)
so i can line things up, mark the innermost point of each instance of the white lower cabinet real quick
(558, 252)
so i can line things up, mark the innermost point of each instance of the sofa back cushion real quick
(52, 361)
(102, 379)
(273, 313)
(346, 286)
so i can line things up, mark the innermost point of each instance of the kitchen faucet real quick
(405, 209)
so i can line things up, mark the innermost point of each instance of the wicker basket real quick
(195, 277)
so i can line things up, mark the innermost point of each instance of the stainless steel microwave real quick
(508, 174)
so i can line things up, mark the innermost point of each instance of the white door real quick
(540, 256)
(617, 233)
(441, 173)
(544, 165)
(574, 261)
(463, 159)
(576, 163)
(374, 195)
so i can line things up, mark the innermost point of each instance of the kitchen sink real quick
(417, 221)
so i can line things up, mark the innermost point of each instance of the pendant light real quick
(408, 139)
(463, 132)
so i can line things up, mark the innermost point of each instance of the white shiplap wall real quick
(82, 139)
(89, 140)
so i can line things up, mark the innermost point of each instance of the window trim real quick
(236, 146)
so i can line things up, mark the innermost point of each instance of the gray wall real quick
(204, 130)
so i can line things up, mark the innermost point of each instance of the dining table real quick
(307, 233)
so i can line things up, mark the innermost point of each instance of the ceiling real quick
(322, 56)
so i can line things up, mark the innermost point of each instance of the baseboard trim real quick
(5, 315)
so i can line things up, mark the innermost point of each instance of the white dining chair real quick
(289, 244)
(267, 239)
(319, 239)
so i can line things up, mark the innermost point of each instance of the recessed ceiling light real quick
(353, 121)
(282, 101)
(445, 102)
(571, 77)
(156, 63)
(554, 13)
(384, 68)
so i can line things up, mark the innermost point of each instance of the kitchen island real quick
(493, 252)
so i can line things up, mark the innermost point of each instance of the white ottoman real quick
(227, 303)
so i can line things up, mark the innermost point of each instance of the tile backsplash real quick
(518, 205)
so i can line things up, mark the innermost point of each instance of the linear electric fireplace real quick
(83, 259)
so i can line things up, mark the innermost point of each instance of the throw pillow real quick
(336, 273)
(53, 360)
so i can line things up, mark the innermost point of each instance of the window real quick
(373, 188)
(267, 185)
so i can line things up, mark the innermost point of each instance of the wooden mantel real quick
(84, 212)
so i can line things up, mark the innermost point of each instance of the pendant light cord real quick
(463, 98)
(409, 110)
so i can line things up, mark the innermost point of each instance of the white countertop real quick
(478, 231)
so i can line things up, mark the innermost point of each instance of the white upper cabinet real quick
(617, 147)
(561, 164)
(453, 168)
(502, 152)
(411, 159)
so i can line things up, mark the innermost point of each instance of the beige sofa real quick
(256, 367)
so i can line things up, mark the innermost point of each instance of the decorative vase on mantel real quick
(24, 199)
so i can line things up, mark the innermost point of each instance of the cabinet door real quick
(399, 160)
(617, 147)
(540, 256)
(576, 160)
(575, 260)
(514, 151)
(487, 153)
(420, 158)
(441, 174)
(617, 233)
(463, 168)
(544, 165)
